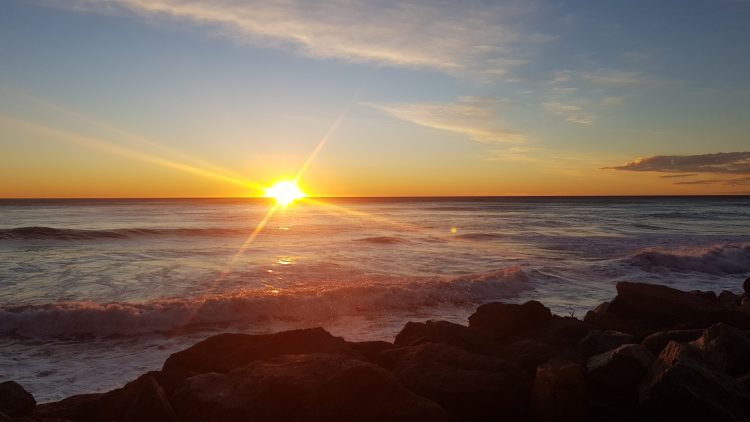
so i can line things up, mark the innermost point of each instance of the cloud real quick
(474, 117)
(479, 38)
(572, 113)
(718, 163)
(613, 77)
(681, 166)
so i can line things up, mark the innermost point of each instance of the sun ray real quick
(105, 146)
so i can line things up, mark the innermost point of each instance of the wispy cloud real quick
(684, 166)
(572, 113)
(718, 163)
(478, 38)
(474, 117)
(614, 77)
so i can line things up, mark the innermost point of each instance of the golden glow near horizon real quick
(285, 192)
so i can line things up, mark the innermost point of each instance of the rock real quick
(656, 342)
(746, 286)
(468, 386)
(139, 400)
(470, 339)
(665, 307)
(726, 347)
(728, 299)
(598, 341)
(681, 385)
(709, 295)
(527, 353)
(371, 350)
(14, 400)
(620, 369)
(559, 392)
(312, 387)
(745, 381)
(611, 322)
(659, 303)
(224, 352)
(502, 319)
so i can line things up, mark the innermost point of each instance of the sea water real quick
(95, 292)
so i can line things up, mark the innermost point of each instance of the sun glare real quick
(285, 192)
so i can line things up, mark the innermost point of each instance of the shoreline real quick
(651, 352)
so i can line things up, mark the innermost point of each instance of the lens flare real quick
(285, 192)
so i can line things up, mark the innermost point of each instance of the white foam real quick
(729, 258)
(319, 304)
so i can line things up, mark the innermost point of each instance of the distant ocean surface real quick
(95, 292)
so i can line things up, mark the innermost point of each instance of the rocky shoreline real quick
(652, 353)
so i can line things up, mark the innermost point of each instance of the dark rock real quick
(681, 385)
(598, 341)
(468, 386)
(611, 322)
(659, 303)
(709, 295)
(656, 342)
(502, 319)
(728, 299)
(371, 350)
(563, 331)
(312, 387)
(470, 339)
(139, 400)
(745, 381)
(620, 369)
(746, 286)
(527, 353)
(726, 347)
(665, 307)
(559, 392)
(14, 400)
(225, 352)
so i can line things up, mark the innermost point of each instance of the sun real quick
(285, 192)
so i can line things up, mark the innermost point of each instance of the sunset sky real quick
(173, 98)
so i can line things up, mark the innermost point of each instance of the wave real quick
(384, 240)
(730, 258)
(479, 236)
(50, 233)
(86, 319)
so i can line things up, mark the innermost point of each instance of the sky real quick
(179, 98)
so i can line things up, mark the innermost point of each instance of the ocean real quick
(95, 292)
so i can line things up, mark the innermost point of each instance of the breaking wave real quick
(730, 258)
(87, 319)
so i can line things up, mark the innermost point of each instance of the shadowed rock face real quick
(14, 400)
(225, 352)
(726, 347)
(501, 320)
(468, 386)
(620, 369)
(681, 385)
(314, 387)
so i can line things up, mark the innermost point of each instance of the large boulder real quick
(312, 387)
(501, 320)
(620, 369)
(224, 352)
(726, 347)
(681, 385)
(665, 307)
(657, 341)
(468, 386)
(527, 353)
(140, 400)
(559, 392)
(15, 401)
(600, 341)
(470, 339)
